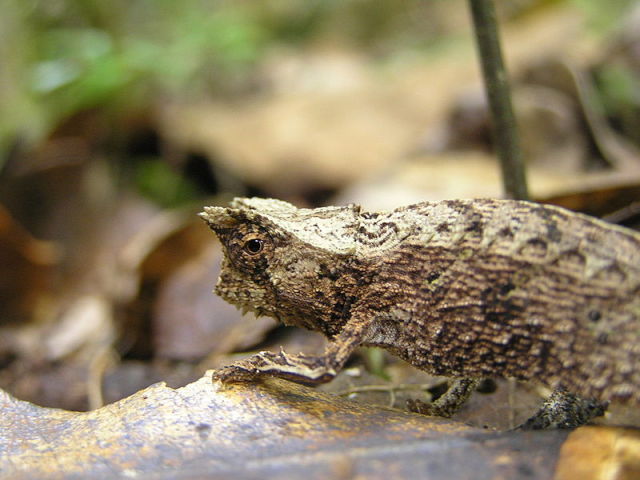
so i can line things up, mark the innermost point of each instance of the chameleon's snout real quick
(217, 218)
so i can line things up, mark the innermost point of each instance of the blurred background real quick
(119, 120)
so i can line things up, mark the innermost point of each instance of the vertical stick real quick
(505, 131)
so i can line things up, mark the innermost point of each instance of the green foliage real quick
(619, 87)
(164, 186)
(620, 97)
(80, 67)
(604, 15)
(69, 55)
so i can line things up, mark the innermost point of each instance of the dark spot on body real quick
(328, 272)
(433, 276)
(497, 308)
(554, 234)
(543, 356)
(500, 360)
(475, 227)
(459, 206)
(602, 338)
(550, 217)
(340, 313)
(443, 227)
(505, 288)
(259, 270)
(438, 333)
(389, 226)
(455, 362)
(366, 233)
(594, 315)
(501, 316)
(365, 278)
(506, 232)
(535, 247)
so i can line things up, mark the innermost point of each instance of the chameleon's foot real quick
(297, 368)
(564, 410)
(450, 402)
(235, 373)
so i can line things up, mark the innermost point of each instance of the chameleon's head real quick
(282, 261)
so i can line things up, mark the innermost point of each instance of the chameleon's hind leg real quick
(450, 402)
(564, 410)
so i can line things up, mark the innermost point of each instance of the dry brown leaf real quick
(476, 175)
(263, 430)
(27, 265)
(332, 117)
(191, 322)
(592, 453)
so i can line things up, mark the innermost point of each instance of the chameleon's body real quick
(462, 288)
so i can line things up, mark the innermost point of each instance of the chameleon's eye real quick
(253, 246)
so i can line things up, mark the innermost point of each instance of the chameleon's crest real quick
(329, 228)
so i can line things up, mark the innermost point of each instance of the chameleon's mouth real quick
(238, 300)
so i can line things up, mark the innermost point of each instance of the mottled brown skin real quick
(462, 288)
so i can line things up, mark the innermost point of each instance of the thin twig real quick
(385, 388)
(497, 86)
(390, 389)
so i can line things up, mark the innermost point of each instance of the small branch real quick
(390, 389)
(497, 86)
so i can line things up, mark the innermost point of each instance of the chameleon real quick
(468, 289)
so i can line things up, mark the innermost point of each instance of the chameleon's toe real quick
(418, 406)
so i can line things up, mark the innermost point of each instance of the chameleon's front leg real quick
(297, 368)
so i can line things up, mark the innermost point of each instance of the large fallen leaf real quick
(262, 430)
(277, 429)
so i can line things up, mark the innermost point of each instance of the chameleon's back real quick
(521, 290)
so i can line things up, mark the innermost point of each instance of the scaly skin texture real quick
(462, 288)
